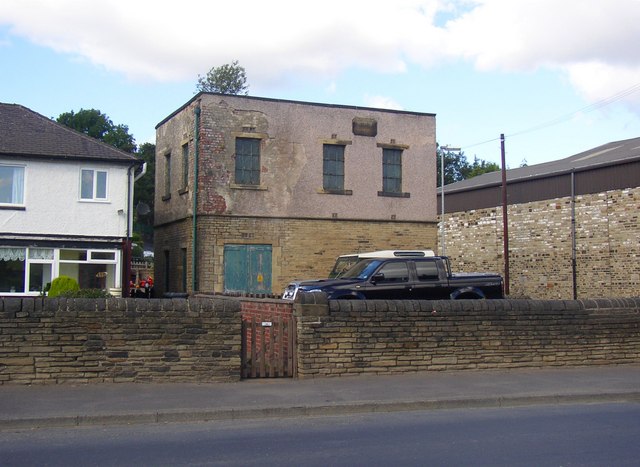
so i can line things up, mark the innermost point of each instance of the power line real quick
(589, 108)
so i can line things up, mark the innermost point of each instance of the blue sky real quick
(556, 77)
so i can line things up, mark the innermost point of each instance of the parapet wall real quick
(119, 340)
(340, 338)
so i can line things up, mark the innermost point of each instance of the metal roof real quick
(610, 154)
(25, 133)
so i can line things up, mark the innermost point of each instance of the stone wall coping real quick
(11, 307)
(316, 304)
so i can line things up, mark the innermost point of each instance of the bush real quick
(62, 284)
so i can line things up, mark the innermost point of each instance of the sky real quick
(556, 77)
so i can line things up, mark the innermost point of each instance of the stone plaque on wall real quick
(365, 126)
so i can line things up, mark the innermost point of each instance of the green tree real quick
(457, 168)
(94, 123)
(144, 193)
(479, 167)
(226, 79)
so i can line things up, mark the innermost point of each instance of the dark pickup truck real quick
(427, 278)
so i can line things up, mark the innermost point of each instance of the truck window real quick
(427, 270)
(394, 272)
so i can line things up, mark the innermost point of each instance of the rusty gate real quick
(268, 346)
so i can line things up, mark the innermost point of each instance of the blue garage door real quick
(247, 268)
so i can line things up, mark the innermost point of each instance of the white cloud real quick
(281, 41)
(591, 41)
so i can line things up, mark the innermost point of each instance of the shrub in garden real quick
(62, 284)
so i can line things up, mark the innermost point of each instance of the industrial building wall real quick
(607, 245)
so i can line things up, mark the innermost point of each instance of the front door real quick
(247, 269)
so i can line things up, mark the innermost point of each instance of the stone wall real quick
(540, 245)
(119, 340)
(341, 338)
(301, 248)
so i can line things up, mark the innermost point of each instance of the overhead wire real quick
(556, 121)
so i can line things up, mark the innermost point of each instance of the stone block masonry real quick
(607, 249)
(119, 340)
(342, 338)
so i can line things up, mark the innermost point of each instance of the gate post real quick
(308, 308)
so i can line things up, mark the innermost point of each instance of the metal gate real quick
(268, 346)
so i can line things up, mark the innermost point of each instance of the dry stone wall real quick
(119, 340)
(340, 338)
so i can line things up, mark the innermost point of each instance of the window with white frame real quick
(93, 269)
(11, 185)
(93, 185)
(28, 271)
(25, 270)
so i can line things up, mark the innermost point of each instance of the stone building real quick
(254, 192)
(572, 224)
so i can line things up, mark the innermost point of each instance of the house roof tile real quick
(25, 133)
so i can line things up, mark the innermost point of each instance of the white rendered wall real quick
(53, 206)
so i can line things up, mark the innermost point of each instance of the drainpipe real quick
(574, 263)
(194, 249)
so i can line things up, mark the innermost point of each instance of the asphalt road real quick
(554, 435)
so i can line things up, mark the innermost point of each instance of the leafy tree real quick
(226, 79)
(479, 167)
(94, 123)
(144, 192)
(456, 166)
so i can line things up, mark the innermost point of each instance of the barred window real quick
(247, 161)
(391, 170)
(333, 167)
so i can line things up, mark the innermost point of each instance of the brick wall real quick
(540, 245)
(119, 340)
(384, 337)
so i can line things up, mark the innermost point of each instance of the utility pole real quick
(504, 217)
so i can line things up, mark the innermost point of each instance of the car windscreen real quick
(362, 270)
(343, 264)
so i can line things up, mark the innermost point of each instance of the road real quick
(560, 435)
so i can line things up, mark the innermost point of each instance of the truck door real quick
(391, 281)
(429, 284)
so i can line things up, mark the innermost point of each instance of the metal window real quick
(333, 167)
(247, 161)
(391, 170)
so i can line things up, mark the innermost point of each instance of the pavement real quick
(66, 405)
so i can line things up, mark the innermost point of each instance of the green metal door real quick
(247, 268)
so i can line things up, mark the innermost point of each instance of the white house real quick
(65, 205)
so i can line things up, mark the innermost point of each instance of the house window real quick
(93, 185)
(167, 177)
(11, 185)
(93, 269)
(185, 166)
(391, 170)
(247, 161)
(333, 167)
(25, 270)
